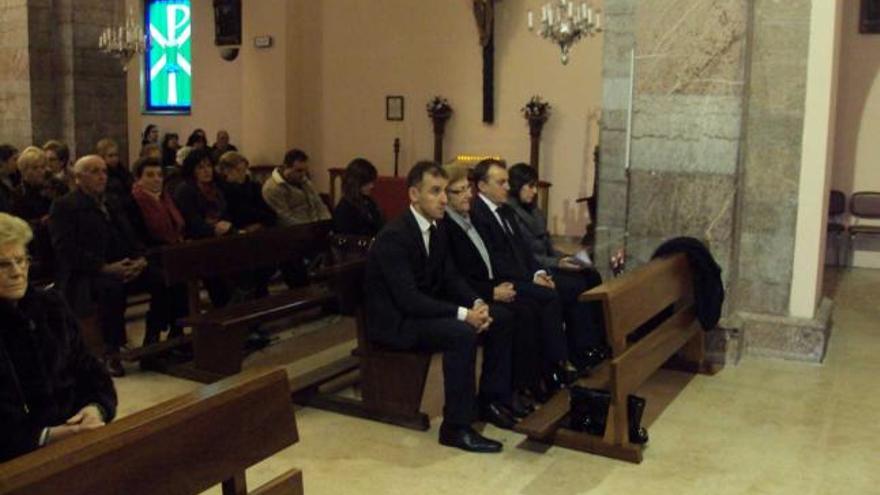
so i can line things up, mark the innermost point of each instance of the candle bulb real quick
(590, 16)
(598, 20)
(531, 21)
(570, 10)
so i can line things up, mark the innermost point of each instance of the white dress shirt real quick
(425, 227)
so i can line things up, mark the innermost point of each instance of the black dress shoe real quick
(559, 378)
(465, 438)
(589, 358)
(520, 407)
(113, 365)
(498, 414)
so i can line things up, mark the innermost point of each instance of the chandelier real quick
(123, 41)
(565, 23)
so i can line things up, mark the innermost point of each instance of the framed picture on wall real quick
(869, 17)
(394, 107)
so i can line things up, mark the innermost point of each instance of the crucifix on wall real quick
(484, 12)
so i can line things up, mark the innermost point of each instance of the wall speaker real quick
(227, 22)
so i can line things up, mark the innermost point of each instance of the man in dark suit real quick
(416, 299)
(513, 262)
(473, 259)
(99, 257)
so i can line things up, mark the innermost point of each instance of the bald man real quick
(100, 257)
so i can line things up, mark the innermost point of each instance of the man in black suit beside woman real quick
(416, 299)
(512, 259)
(539, 350)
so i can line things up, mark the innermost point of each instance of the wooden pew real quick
(219, 334)
(182, 446)
(628, 302)
(391, 382)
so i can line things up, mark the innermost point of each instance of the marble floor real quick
(762, 427)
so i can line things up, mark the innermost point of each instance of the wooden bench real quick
(182, 446)
(219, 334)
(391, 382)
(629, 302)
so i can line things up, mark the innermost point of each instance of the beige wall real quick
(322, 87)
(817, 153)
(217, 88)
(391, 47)
(857, 147)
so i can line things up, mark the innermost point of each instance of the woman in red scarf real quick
(163, 223)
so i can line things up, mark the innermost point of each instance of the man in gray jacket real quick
(290, 192)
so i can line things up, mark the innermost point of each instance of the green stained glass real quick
(169, 55)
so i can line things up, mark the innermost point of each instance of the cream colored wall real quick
(217, 88)
(816, 157)
(370, 49)
(857, 148)
(322, 87)
(263, 98)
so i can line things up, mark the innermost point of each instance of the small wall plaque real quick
(394, 107)
(263, 41)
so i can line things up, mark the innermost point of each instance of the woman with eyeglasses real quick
(50, 386)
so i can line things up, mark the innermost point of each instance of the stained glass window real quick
(168, 57)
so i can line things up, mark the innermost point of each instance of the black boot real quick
(589, 410)
(635, 407)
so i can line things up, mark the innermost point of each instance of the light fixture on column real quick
(565, 23)
(123, 41)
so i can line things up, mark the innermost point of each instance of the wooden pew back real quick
(182, 446)
(241, 252)
(630, 301)
(662, 287)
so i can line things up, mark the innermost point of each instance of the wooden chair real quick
(629, 302)
(182, 446)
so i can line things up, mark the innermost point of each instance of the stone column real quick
(716, 142)
(15, 90)
(686, 126)
(62, 87)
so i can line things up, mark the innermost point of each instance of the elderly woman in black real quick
(50, 386)
(357, 213)
(572, 276)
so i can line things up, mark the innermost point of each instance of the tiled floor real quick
(763, 427)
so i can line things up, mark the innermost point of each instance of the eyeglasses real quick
(8, 265)
(457, 191)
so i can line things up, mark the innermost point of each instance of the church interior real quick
(745, 124)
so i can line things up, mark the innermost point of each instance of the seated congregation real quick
(468, 267)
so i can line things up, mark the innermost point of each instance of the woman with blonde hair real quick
(53, 388)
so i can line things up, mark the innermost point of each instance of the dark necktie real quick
(504, 214)
(432, 240)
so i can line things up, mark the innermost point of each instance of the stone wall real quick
(687, 121)
(15, 91)
(59, 85)
(715, 153)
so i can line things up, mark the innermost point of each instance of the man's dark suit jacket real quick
(85, 238)
(511, 258)
(402, 282)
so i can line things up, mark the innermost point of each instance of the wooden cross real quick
(484, 12)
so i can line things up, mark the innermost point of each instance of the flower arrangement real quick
(439, 108)
(536, 109)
